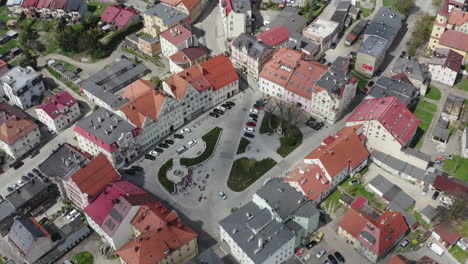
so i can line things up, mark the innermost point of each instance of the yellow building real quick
(162, 17)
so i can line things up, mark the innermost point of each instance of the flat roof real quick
(321, 28)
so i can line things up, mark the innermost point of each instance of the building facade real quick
(445, 66)
(186, 58)
(161, 17)
(176, 39)
(60, 111)
(236, 16)
(23, 86)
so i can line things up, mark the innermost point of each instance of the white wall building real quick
(236, 16)
(176, 39)
(23, 86)
(445, 65)
(60, 111)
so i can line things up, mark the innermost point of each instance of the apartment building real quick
(191, 7)
(236, 16)
(445, 66)
(186, 58)
(161, 17)
(105, 132)
(323, 32)
(59, 111)
(176, 39)
(23, 86)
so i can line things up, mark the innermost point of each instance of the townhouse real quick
(118, 17)
(175, 39)
(71, 10)
(323, 32)
(59, 111)
(276, 37)
(146, 44)
(191, 7)
(161, 17)
(411, 72)
(249, 54)
(23, 86)
(339, 156)
(153, 111)
(18, 134)
(108, 133)
(187, 58)
(445, 66)
(236, 16)
(386, 87)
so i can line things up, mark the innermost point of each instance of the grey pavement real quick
(210, 30)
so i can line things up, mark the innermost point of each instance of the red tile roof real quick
(447, 233)
(426, 260)
(162, 233)
(3, 63)
(399, 259)
(189, 4)
(44, 4)
(310, 179)
(337, 152)
(59, 4)
(281, 66)
(376, 234)
(227, 6)
(100, 207)
(447, 58)
(303, 80)
(14, 124)
(110, 13)
(30, 3)
(55, 105)
(274, 36)
(458, 17)
(443, 10)
(95, 176)
(118, 15)
(391, 113)
(188, 54)
(454, 39)
(144, 101)
(451, 186)
(176, 35)
(359, 202)
(219, 71)
(402, 77)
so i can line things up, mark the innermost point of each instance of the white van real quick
(436, 248)
(181, 149)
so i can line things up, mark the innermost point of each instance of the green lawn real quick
(360, 190)
(210, 138)
(332, 202)
(418, 217)
(84, 257)
(365, 12)
(290, 143)
(432, 93)
(165, 182)
(246, 171)
(8, 46)
(242, 145)
(269, 123)
(461, 169)
(425, 112)
(463, 85)
(97, 8)
(388, 2)
(67, 65)
(30, 21)
(459, 254)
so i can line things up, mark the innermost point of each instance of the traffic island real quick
(211, 140)
(162, 176)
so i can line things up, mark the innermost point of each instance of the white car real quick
(15, 186)
(154, 153)
(223, 195)
(448, 156)
(191, 143)
(249, 129)
(52, 132)
(221, 108)
(321, 253)
(185, 130)
(72, 214)
(253, 111)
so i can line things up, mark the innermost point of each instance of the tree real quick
(26, 59)
(36, 45)
(404, 6)
(437, 3)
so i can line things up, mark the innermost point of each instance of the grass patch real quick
(242, 145)
(97, 8)
(269, 123)
(360, 190)
(246, 171)
(4, 12)
(290, 143)
(432, 93)
(332, 202)
(457, 167)
(67, 65)
(8, 46)
(462, 85)
(388, 2)
(418, 217)
(84, 257)
(459, 254)
(210, 138)
(365, 12)
(425, 112)
(162, 176)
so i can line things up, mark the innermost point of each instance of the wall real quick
(23, 145)
(442, 74)
(271, 88)
(378, 137)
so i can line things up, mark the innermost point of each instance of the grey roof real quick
(20, 78)
(347, 199)
(339, 17)
(410, 67)
(343, 6)
(282, 197)
(442, 123)
(397, 196)
(299, 42)
(417, 153)
(385, 24)
(168, 14)
(208, 256)
(241, 6)
(105, 125)
(373, 46)
(308, 210)
(453, 105)
(293, 226)
(253, 47)
(381, 183)
(441, 133)
(359, 27)
(32, 240)
(6, 209)
(27, 192)
(368, 236)
(274, 234)
(74, 5)
(337, 76)
(386, 86)
(409, 219)
(63, 162)
(402, 166)
(289, 18)
(429, 212)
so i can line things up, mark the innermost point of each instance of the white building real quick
(176, 39)
(445, 65)
(60, 111)
(236, 16)
(23, 86)
(323, 32)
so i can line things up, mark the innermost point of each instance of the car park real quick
(249, 129)
(223, 195)
(130, 172)
(435, 195)
(425, 190)
(213, 115)
(150, 157)
(163, 145)
(218, 112)
(159, 150)
(321, 253)
(179, 136)
(251, 124)
(181, 149)
(137, 168)
(191, 143)
(248, 135)
(253, 111)
(339, 257)
(253, 115)
(354, 182)
(185, 130)
(332, 259)
(404, 243)
(169, 141)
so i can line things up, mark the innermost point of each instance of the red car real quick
(251, 124)
(257, 107)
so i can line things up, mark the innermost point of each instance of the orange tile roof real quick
(399, 259)
(190, 4)
(303, 80)
(3, 63)
(458, 17)
(346, 148)
(280, 68)
(94, 177)
(382, 231)
(310, 179)
(219, 71)
(14, 128)
(144, 101)
(162, 232)
(454, 39)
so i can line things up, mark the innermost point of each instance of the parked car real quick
(185, 130)
(332, 259)
(425, 190)
(321, 253)
(24, 178)
(159, 150)
(34, 153)
(226, 106)
(354, 182)
(52, 132)
(10, 189)
(404, 243)
(66, 211)
(223, 195)
(448, 156)
(249, 135)
(191, 143)
(230, 103)
(258, 107)
(181, 150)
(311, 244)
(17, 165)
(221, 108)
(253, 111)
(339, 257)
(213, 115)
(78, 70)
(31, 176)
(333, 46)
(403, 54)
(253, 115)
(218, 112)
(253, 119)
(169, 141)
(436, 248)
(137, 168)
(130, 172)
(71, 214)
(150, 157)
(326, 262)
(251, 124)
(43, 220)
(163, 145)
(353, 53)
(435, 195)
(249, 129)
(154, 153)
(179, 136)
(441, 163)
(15, 186)
(37, 172)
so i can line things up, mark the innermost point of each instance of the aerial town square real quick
(233, 131)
